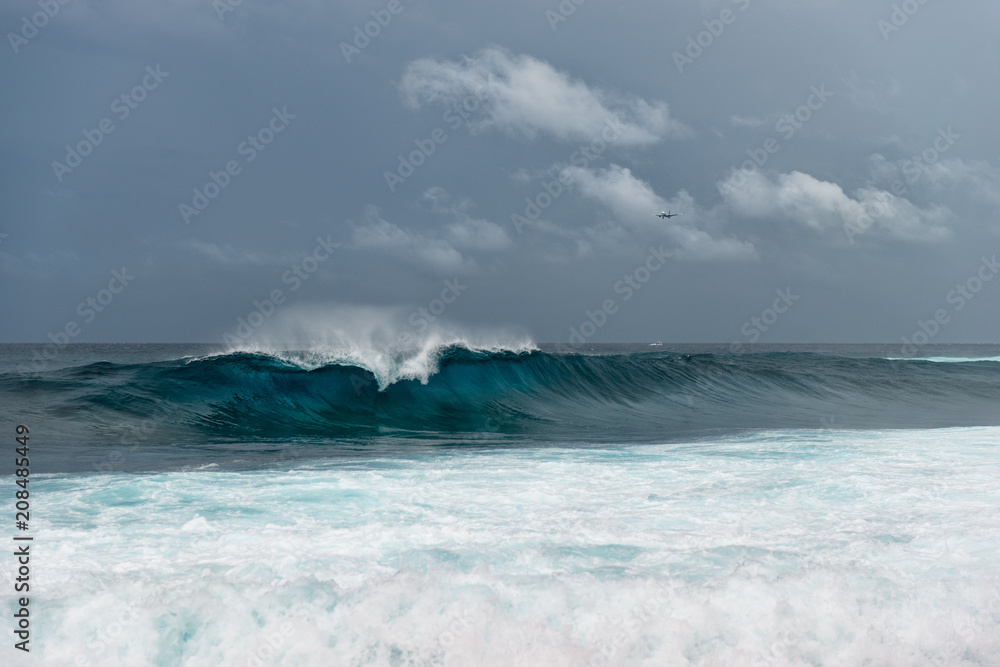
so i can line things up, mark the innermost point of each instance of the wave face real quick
(548, 394)
(322, 507)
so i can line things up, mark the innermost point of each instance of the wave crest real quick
(382, 341)
(442, 389)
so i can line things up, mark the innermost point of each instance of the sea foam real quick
(773, 548)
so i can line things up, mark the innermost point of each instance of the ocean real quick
(462, 504)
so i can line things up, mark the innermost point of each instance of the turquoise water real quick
(787, 548)
(698, 539)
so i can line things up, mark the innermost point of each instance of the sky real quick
(197, 171)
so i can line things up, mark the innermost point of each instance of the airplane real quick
(661, 214)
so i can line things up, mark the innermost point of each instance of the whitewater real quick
(467, 502)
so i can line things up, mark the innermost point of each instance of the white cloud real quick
(971, 188)
(975, 180)
(634, 203)
(436, 254)
(748, 121)
(35, 267)
(478, 235)
(229, 255)
(871, 94)
(973, 183)
(522, 95)
(824, 207)
(465, 231)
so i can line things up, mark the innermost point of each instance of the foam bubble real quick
(777, 548)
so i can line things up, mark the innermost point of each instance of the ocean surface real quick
(521, 504)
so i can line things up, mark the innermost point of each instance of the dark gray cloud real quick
(364, 153)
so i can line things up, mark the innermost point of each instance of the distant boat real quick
(659, 342)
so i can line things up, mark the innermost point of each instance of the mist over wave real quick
(393, 344)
